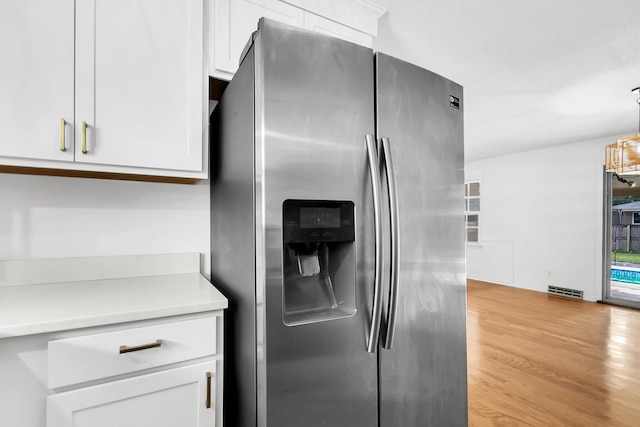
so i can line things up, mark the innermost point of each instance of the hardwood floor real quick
(541, 360)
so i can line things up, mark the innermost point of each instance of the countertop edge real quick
(77, 305)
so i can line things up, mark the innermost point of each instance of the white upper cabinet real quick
(235, 20)
(134, 102)
(139, 85)
(36, 79)
(332, 28)
(233, 23)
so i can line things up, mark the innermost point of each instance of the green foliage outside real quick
(625, 257)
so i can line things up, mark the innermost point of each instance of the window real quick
(472, 211)
(635, 219)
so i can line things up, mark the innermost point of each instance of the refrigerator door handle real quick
(395, 244)
(376, 315)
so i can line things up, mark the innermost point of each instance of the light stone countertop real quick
(34, 308)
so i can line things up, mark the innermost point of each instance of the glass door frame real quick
(606, 245)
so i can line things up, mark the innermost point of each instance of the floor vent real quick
(565, 292)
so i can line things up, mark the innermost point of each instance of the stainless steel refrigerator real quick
(337, 226)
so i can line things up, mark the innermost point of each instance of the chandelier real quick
(623, 156)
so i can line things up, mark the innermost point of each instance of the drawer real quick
(92, 357)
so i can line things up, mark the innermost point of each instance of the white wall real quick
(53, 217)
(541, 213)
(541, 218)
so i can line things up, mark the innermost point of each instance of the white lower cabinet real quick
(145, 375)
(182, 397)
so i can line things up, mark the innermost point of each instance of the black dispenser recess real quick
(318, 261)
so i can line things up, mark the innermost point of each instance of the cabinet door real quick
(235, 21)
(139, 83)
(325, 26)
(36, 79)
(176, 397)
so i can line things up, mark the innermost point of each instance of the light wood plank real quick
(541, 360)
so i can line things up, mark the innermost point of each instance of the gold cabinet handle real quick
(84, 137)
(127, 349)
(62, 132)
(207, 403)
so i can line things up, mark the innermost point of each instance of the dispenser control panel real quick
(318, 221)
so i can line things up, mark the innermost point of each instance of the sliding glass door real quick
(621, 248)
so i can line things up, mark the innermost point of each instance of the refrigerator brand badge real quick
(454, 102)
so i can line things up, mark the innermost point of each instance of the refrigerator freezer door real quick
(423, 377)
(314, 105)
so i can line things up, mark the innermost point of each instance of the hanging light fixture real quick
(623, 156)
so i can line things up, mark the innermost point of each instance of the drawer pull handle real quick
(207, 403)
(126, 349)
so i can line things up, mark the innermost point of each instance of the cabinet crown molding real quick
(362, 15)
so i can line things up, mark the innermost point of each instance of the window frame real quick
(467, 198)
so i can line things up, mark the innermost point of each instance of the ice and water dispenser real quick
(319, 265)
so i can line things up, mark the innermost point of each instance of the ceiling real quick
(535, 73)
